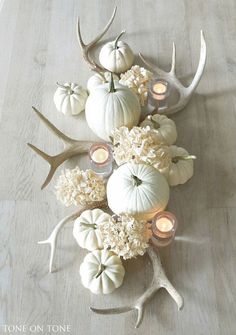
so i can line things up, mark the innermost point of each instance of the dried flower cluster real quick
(77, 187)
(137, 79)
(140, 145)
(125, 236)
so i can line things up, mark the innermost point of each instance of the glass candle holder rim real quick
(167, 234)
(98, 145)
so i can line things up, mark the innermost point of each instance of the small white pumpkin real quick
(181, 168)
(86, 230)
(102, 272)
(99, 79)
(109, 107)
(70, 98)
(165, 128)
(116, 56)
(137, 189)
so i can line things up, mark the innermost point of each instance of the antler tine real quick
(159, 281)
(87, 47)
(157, 70)
(52, 239)
(201, 65)
(72, 148)
(172, 70)
(53, 129)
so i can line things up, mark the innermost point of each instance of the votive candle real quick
(164, 226)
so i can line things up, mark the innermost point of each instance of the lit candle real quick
(100, 155)
(159, 90)
(164, 226)
(101, 158)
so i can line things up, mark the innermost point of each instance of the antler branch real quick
(52, 239)
(86, 48)
(72, 148)
(185, 93)
(159, 281)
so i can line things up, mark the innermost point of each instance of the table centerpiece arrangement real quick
(123, 195)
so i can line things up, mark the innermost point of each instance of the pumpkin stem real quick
(70, 91)
(100, 270)
(117, 39)
(183, 158)
(155, 123)
(136, 180)
(112, 85)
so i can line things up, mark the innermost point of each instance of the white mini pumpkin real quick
(86, 230)
(102, 272)
(181, 168)
(137, 189)
(165, 128)
(110, 107)
(99, 79)
(116, 56)
(70, 98)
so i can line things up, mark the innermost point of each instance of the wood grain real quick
(39, 47)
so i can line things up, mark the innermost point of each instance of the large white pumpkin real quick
(102, 272)
(70, 98)
(137, 189)
(116, 56)
(86, 229)
(110, 107)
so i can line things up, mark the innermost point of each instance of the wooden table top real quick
(38, 48)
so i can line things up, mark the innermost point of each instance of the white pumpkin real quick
(181, 168)
(137, 189)
(116, 56)
(99, 79)
(110, 107)
(164, 127)
(102, 272)
(70, 98)
(86, 230)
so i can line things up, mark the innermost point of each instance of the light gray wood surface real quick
(39, 47)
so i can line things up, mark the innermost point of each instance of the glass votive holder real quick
(101, 158)
(164, 226)
(159, 90)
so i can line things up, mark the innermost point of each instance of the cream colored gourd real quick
(137, 189)
(109, 107)
(102, 272)
(181, 168)
(100, 78)
(164, 127)
(86, 229)
(70, 98)
(116, 56)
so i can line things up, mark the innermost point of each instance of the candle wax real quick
(159, 88)
(164, 225)
(100, 155)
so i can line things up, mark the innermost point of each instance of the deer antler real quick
(159, 281)
(72, 148)
(52, 239)
(87, 47)
(185, 93)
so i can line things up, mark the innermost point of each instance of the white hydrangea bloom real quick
(140, 145)
(137, 79)
(125, 236)
(77, 187)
